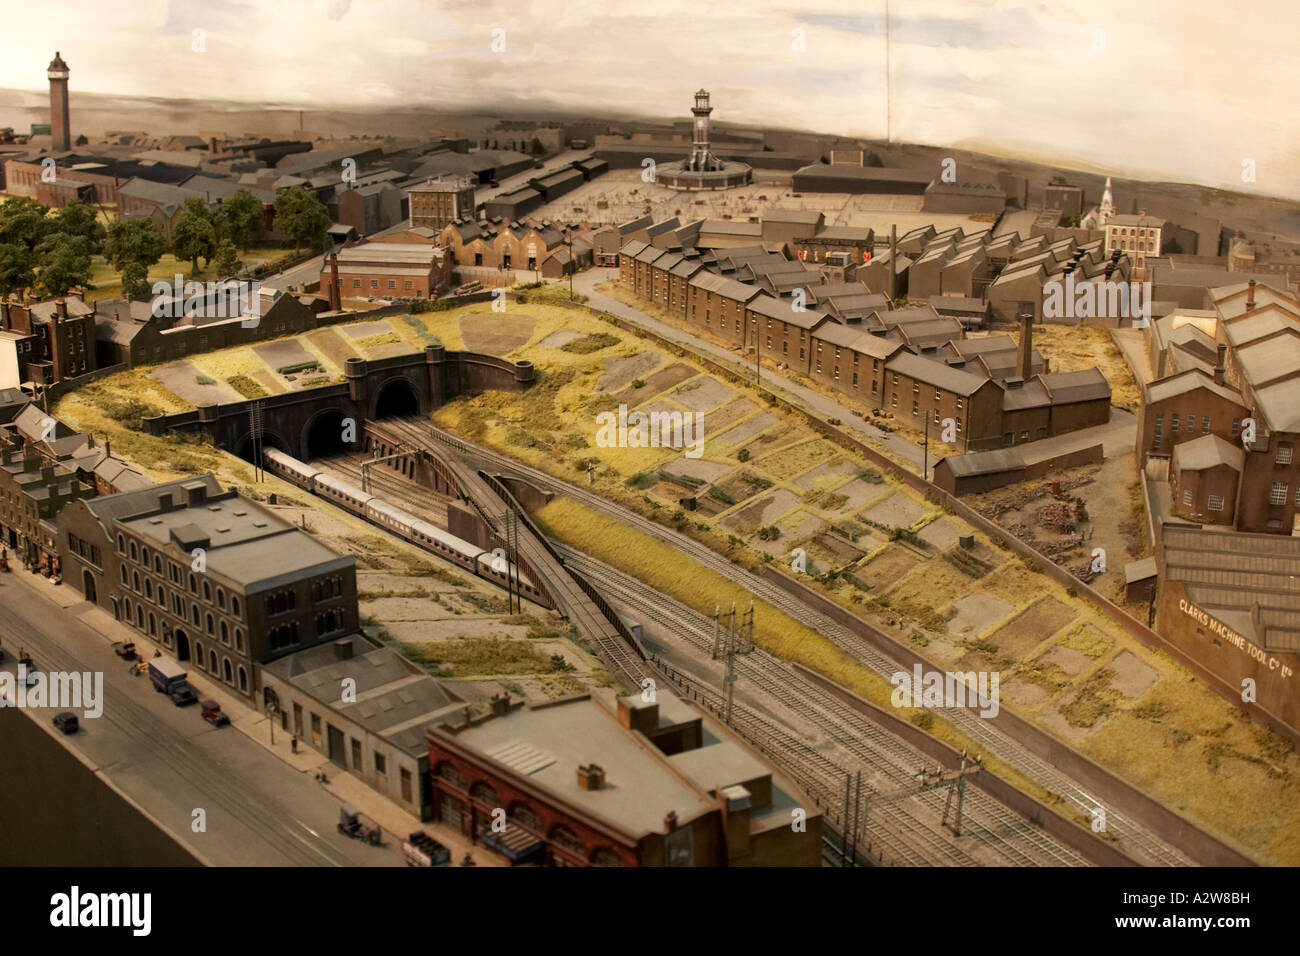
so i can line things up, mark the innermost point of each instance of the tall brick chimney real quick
(893, 260)
(1250, 295)
(57, 326)
(1025, 360)
(336, 296)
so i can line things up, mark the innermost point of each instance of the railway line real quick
(872, 749)
(1138, 841)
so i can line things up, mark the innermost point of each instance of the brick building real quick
(212, 576)
(1247, 401)
(437, 203)
(642, 784)
(389, 270)
(51, 341)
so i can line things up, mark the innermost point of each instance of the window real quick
(1187, 497)
(207, 591)
(406, 784)
(1236, 425)
(1277, 496)
(916, 388)
(1283, 454)
(234, 605)
(936, 416)
(937, 396)
(916, 409)
(243, 679)
(1205, 425)
(1216, 502)
(893, 400)
(381, 763)
(1173, 423)
(239, 639)
(958, 426)
(356, 754)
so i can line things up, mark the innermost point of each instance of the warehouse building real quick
(583, 783)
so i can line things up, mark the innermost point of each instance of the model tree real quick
(64, 263)
(194, 234)
(239, 219)
(78, 219)
(227, 259)
(22, 227)
(132, 246)
(299, 214)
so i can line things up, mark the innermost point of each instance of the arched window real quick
(207, 591)
(566, 839)
(121, 544)
(122, 568)
(162, 596)
(194, 614)
(126, 605)
(193, 586)
(225, 634)
(227, 672)
(234, 605)
(135, 581)
(604, 856)
(198, 653)
(144, 556)
(526, 816)
(239, 639)
(221, 599)
(451, 773)
(212, 662)
(157, 564)
(139, 617)
(153, 631)
(243, 679)
(133, 551)
(148, 589)
(484, 793)
(209, 627)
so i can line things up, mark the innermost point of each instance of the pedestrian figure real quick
(293, 744)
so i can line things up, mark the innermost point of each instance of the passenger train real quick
(419, 532)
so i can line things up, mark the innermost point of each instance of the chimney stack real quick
(591, 777)
(1250, 295)
(1219, 365)
(1025, 361)
(893, 260)
(336, 297)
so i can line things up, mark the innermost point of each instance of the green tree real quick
(17, 268)
(64, 263)
(227, 260)
(133, 242)
(78, 219)
(298, 213)
(239, 219)
(135, 281)
(193, 237)
(23, 222)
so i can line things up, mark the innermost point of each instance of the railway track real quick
(534, 551)
(1138, 841)
(1015, 840)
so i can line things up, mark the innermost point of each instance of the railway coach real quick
(489, 565)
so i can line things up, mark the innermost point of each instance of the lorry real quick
(169, 678)
(351, 825)
(420, 849)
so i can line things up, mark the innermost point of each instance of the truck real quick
(169, 678)
(420, 849)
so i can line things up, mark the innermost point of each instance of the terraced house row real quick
(912, 363)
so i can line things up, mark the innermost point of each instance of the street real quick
(259, 811)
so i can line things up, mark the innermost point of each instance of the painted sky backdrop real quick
(1168, 89)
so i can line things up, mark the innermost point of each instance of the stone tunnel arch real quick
(396, 398)
(322, 436)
